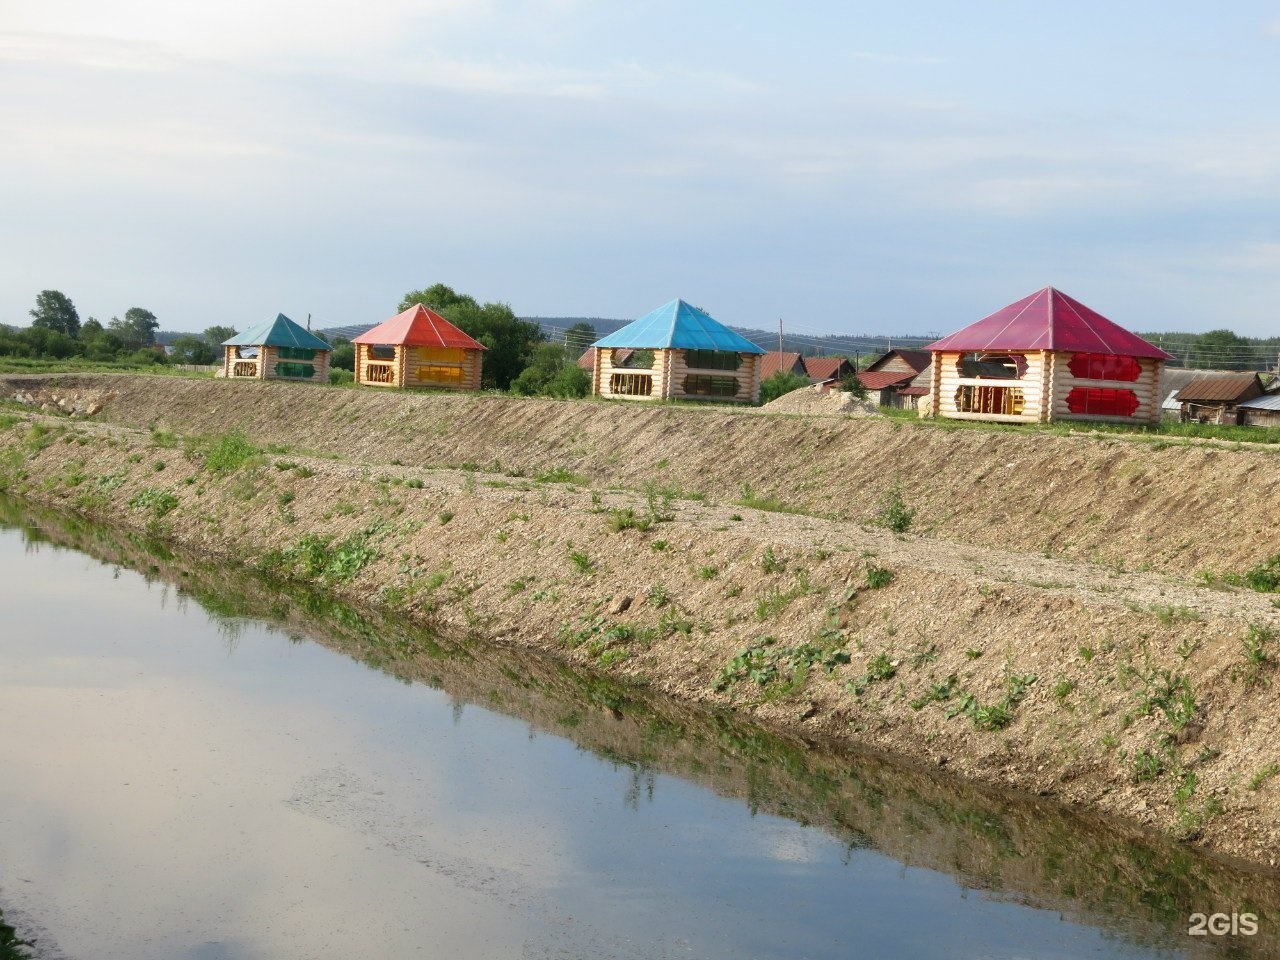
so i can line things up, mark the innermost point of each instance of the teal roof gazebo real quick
(677, 351)
(276, 349)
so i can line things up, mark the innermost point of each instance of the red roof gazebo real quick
(418, 348)
(1046, 357)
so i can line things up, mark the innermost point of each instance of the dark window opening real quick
(382, 351)
(304, 371)
(703, 385)
(712, 359)
(993, 366)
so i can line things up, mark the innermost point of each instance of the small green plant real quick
(159, 502)
(158, 466)
(1263, 775)
(877, 576)
(227, 453)
(580, 560)
(659, 596)
(1146, 765)
(735, 516)
(1256, 657)
(757, 501)
(627, 519)
(708, 573)
(894, 514)
(1063, 689)
(445, 516)
(973, 653)
(1265, 577)
(770, 563)
(1087, 653)
(657, 546)
(560, 475)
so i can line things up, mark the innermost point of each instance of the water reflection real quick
(293, 805)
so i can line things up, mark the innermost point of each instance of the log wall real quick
(415, 361)
(604, 371)
(948, 381)
(269, 359)
(1146, 388)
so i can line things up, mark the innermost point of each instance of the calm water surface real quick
(182, 782)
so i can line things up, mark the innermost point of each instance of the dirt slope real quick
(1127, 503)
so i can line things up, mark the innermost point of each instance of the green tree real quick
(216, 336)
(552, 373)
(343, 356)
(191, 349)
(55, 311)
(90, 329)
(137, 329)
(509, 341)
(578, 337)
(781, 382)
(1223, 350)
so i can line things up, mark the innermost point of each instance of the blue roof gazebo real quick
(276, 349)
(677, 352)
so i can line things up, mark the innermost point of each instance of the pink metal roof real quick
(419, 327)
(1049, 320)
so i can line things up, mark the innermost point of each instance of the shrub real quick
(895, 514)
(781, 383)
(1265, 577)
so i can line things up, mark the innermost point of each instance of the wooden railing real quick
(245, 368)
(379, 371)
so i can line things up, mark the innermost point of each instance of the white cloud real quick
(233, 31)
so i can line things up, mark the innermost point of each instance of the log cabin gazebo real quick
(677, 351)
(1047, 357)
(276, 349)
(418, 348)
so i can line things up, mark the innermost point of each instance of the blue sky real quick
(850, 167)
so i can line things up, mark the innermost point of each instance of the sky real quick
(847, 167)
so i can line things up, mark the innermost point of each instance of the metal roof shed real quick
(276, 349)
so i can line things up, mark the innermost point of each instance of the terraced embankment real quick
(986, 640)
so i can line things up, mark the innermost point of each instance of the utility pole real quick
(308, 320)
(779, 334)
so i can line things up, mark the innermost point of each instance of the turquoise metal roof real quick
(680, 325)
(280, 332)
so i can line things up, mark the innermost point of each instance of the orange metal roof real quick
(419, 327)
(824, 368)
(778, 362)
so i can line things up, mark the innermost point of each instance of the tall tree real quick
(217, 335)
(510, 341)
(578, 337)
(55, 311)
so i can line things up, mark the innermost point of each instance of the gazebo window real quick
(1104, 366)
(631, 384)
(635, 359)
(1102, 402)
(440, 374)
(295, 353)
(441, 354)
(1004, 401)
(992, 366)
(382, 351)
(701, 385)
(712, 359)
(304, 371)
(246, 353)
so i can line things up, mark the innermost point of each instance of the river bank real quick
(1132, 693)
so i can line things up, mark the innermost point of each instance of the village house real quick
(677, 351)
(888, 379)
(276, 349)
(1045, 358)
(1217, 399)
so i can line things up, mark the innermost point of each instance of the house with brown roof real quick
(781, 361)
(1217, 399)
(891, 375)
(827, 371)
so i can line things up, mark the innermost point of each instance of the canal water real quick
(194, 766)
